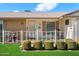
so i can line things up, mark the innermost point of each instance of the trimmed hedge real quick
(71, 44)
(77, 43)
(60, 44)
(0, 39)
(48, 44)
(26, 45)
(37, 44)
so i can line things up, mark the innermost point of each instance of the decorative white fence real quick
(18, 36)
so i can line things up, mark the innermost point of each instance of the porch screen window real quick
(0, 27)
(50, 26)
(67, 22)
(1, 23)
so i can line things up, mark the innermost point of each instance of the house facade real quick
(17, 26)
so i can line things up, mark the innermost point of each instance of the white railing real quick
(18, 36)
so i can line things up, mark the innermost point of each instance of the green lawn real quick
(13, 50)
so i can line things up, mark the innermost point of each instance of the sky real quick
(39, 7)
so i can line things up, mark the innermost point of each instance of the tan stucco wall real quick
(23, 24)
(62, 25)
(12, 24)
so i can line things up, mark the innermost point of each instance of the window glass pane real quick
(50, 26)
(0, 27)
(66, 22)
(1, 22)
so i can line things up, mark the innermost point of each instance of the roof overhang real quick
(31, 15)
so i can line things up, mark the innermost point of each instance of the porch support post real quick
(26, 34)
(37, 31)
(46, 35)
(37, 34)
(41, 31)
(76, 30)
(55, 34)
(26, 28)
(3, 40)
(21, 33)
(55, 37)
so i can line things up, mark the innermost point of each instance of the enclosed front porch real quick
(15, 30)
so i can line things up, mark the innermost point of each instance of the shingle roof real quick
(73, 13)
(32, 14)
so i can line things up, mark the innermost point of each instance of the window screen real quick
(50, 26)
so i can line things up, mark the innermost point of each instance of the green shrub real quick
(77, 42)
(25, 45)
(60, 44)
(37, 44)
(0, 39)
(48, 44)
(71, 44)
